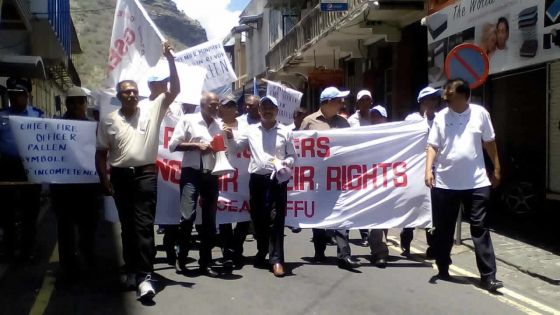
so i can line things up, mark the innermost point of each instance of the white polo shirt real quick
(458, 137)
(192, 128)
(132, 141)
(356, 120)
(265, 145)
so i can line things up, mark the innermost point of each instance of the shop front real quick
(521, 92)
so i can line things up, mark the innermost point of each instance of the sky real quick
(216, 16)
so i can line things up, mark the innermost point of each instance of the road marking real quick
(511, 295)
(44, 296)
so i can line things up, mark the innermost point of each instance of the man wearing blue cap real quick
(272, 154)
(25, 197)
(332, 100)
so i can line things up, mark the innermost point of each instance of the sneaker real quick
(146, 291)
(130, 281)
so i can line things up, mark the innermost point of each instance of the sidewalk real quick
(524, 257)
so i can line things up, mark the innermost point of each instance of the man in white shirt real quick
(251, 107)
(193, 135)
(456, 142)
(271, 145)
(128, 139)
(364, 101)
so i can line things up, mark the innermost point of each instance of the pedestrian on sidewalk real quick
(456, 141)
(332, 100)
(128, 140)
(271, 146)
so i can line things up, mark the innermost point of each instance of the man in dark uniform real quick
(76, 206)
(21, 200)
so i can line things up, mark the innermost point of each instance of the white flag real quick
(136, 43)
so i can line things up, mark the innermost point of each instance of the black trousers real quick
(321, 237)
(233, 239)
(135, 194)
(445, 209)
(195, 183)
(77, 213)
(407, 235)
(268, 200)
(18, 218)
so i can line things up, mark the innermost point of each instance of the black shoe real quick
(491, 285)
(227, 265)
(207, 271)
(443, 274)
(181, 262)
(295, 230)
(239, 262)
(319, 258)
(380, 262)
(348, 263)
(261, 263)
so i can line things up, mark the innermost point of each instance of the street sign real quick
(468, 62)
(334, 5)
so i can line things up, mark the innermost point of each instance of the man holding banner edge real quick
(128, 139)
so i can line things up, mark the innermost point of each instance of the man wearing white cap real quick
(429, 100)
(332, 100)
(360, 118)
(272, 155)
(378, 115)
(364, 101)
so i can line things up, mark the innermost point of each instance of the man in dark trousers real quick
(128, 140)
(76, 207)
(332, 100)
(456, 141)
(21, 200)
(271, 145)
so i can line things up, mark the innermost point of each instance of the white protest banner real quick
(55, 150)
(191, 79)
(136, 43)
(233, 203)
(288, 101)
(367, 177)
(513, 33)
(212, 56)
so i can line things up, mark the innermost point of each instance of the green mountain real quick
(94, 22)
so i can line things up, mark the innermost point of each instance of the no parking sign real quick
(468, 62)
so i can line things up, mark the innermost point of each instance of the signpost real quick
(334, 5)
(468, 62)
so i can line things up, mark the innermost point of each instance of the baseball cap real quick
(380, 109)
(158, 74)
(18, 85)
(228, 100)
(363, 93)
(76, 91)
(272, 99)
(332, 92)
(427, 91)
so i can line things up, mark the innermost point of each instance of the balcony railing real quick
(308, 31)
(60, 21)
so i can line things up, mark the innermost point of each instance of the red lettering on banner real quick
(311, 147)
(357, 177)
(245, 154)
(302, 175)
(232, 206)
(120, 48)
(225, 181)
(323, 147)
(400, 180)
(384, 167)
(167, 133)
(298, 206)
(169, 170)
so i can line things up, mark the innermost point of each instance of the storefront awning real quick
(22, 66)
